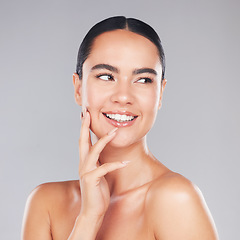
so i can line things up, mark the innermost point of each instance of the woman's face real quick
(122, 75)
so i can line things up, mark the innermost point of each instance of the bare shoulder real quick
(174, 202)
(47, 193)
(174, 185)
(45, 201)
(172, 190)
(57, 187)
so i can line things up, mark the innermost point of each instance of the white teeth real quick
(120, 118)
(124, 118)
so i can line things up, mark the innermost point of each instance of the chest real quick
(126, 218)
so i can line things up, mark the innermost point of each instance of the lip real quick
(120, 124)
(121, 113)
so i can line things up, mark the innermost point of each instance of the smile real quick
(120, 120)
(119, 117)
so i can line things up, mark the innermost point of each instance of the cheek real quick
(96, 100)
(149, 106)
(92, 97)
(150, 102)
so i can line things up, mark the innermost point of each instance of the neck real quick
(139, 171)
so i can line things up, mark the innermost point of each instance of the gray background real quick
(197, 131)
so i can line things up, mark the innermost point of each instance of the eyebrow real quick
(105, 66)
(114, 69)
(144, 70)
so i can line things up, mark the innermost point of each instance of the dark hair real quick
(114, 23)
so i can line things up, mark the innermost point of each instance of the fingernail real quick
(84, 112)
(113, 131)
(126, 162)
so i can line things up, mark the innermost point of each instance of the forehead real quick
(123, 49)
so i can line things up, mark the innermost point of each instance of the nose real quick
(122, 94)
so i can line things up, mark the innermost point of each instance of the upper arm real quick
(36, 221)
(177, 210)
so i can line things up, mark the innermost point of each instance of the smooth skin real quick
(123, 191)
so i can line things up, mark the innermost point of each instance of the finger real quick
(98, 147)
(109, 167)
(85, 128)
(101, 171)
(83, 115)
(84, 139)
(98, 163)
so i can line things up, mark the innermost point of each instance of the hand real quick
(95, 195)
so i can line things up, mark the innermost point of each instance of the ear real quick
(77, 83)
(163, 84)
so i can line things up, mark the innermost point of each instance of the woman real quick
(123, 191)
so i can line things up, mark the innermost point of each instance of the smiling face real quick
(121, 86)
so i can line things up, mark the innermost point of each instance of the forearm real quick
(85, 228)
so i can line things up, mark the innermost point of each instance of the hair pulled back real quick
(114, 23)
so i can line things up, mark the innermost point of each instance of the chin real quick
(121, 141)
(118, 144)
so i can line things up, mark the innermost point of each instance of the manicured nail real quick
(113, 131)
(84, 112)
(126, 162)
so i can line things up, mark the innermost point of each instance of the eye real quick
(145, 80)
(105, 77)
